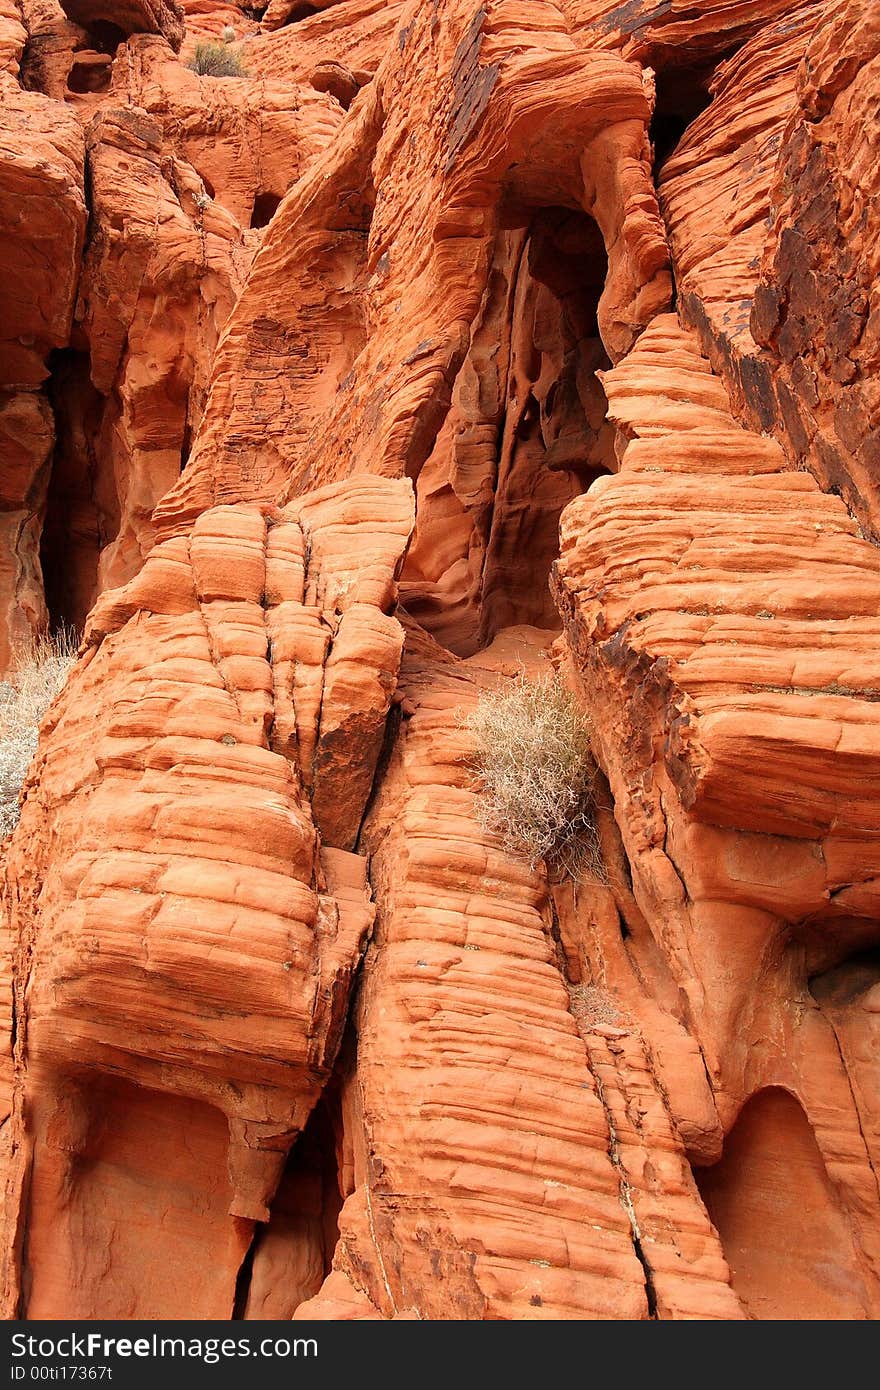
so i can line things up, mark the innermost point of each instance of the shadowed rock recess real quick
(448, 343)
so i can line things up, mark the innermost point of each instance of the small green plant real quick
(39, 671)
(213, 59)
(537, 774)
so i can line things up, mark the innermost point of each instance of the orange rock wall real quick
(448, 342)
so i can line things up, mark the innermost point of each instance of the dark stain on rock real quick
(472, 86)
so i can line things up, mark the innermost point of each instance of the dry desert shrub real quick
(537, 774)
(212, 59)
(39, 672)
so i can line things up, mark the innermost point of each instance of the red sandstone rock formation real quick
(163, 17)
(446, 343)
(184, 173)
(42, 225)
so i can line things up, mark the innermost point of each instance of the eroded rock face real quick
(366, 396)
(732, 822)
(789, 318)
(221, 911)
(492, 1189)
(42, 226)
(184, 173)
(161, 274)
(26, 439)
(44, 216)
(163, 17)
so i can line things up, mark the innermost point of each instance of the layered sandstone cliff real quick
(447, 341)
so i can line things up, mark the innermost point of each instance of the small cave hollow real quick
(104, 37)
(93, 58)
(337, 82)
(265, 207)
(207, 184)
(527, 432)
(291, 1255)
(91, 72)
(74, 528)
(682, 95)
(785, 1234)
(301, 10)
(848, 981)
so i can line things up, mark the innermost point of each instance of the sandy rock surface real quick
(441, 346)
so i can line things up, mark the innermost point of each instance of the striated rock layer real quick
(42, 226)
(741, 781)
(222, 932)
(443, 344)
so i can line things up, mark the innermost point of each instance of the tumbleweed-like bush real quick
(39, 671)
(212, 59)
(537, 774)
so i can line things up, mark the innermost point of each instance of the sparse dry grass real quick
(40, 670)
(213, 59)
(537, 774)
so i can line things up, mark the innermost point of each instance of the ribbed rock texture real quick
(443, 345)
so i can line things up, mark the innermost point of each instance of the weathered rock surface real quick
(42, 226)
(208, 957)
(13, 36)
(378, 400)
(183, 173)
(348, 38)
(742, 776)
(43, 214)
(788, 316)
(364, 396)
(163, 270)
(26, 438)
(163, 17)
(502, 1173)
(499, 475)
